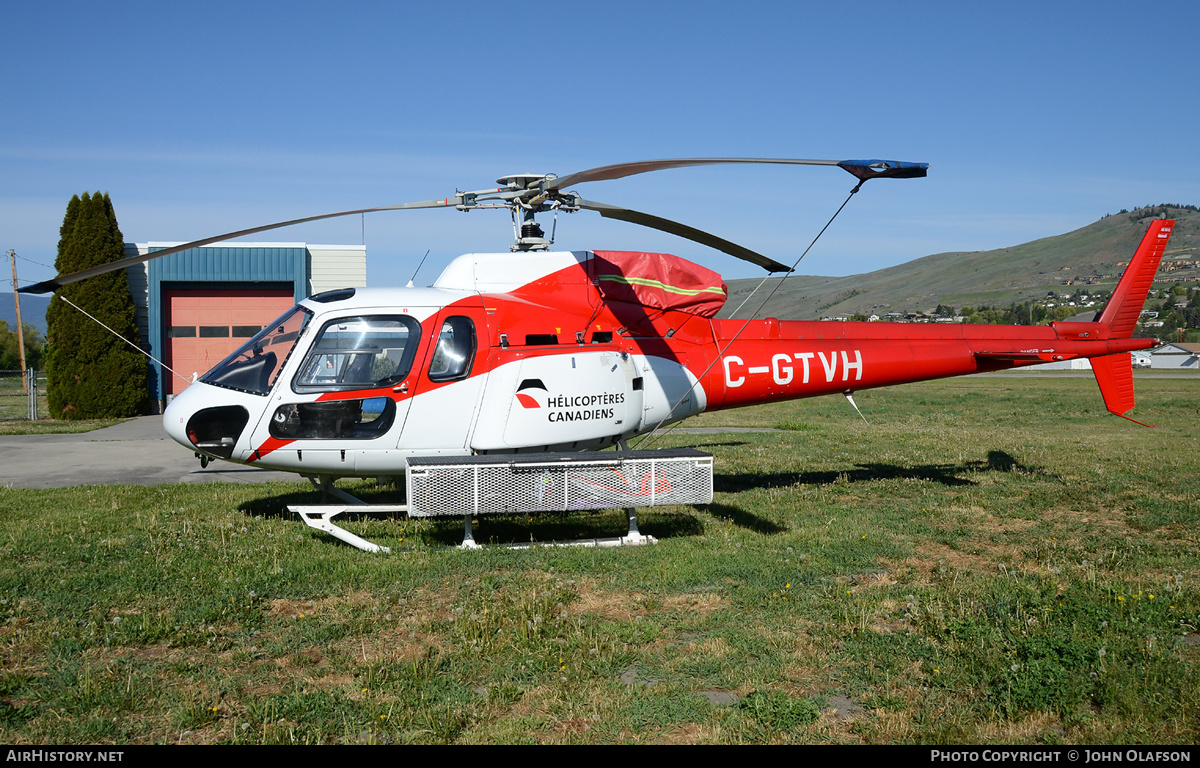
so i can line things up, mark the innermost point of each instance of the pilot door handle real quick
(402, 388)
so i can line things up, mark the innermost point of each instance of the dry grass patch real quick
(531, 704)
(592, 600)
(713, 647)
(390, 646)
(1028, 730)
(932, 555)
(1110, 520)
(989, 522)
(686, 733)
(571, 726)
(281, 608)
(803, 679)
(335, 682)
(702, 603)
(605, 604)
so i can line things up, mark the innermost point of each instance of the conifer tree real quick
(90, 372)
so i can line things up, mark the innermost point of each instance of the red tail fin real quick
(1123, 309)
(1114, 373)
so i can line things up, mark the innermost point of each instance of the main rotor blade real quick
(621, 170)
(683, 230)
(54, 284)
(884, 169)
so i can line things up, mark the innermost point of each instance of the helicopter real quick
(535, 351)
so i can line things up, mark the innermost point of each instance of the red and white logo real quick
(532, 393)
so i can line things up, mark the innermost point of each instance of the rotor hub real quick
(519, 181)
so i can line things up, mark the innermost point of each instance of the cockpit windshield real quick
(255, 366)
(360, 353)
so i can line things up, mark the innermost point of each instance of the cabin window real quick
(454, 351)
(359, 353)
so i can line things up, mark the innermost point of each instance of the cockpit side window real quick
(256, 364)
(455, 350)
(359, 353)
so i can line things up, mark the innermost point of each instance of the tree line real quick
(10, 352)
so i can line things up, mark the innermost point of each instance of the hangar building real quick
(195, 307)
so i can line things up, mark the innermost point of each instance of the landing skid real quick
(321, 517)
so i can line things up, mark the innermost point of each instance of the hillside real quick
(1087, 257)
(33, 310)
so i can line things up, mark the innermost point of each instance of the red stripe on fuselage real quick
(269, 445)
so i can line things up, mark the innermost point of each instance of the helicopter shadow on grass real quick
(950, 475)
(542, 527)
(565, 527)
(945, 474)
(663, 523)
(275, 506)
(726, 444)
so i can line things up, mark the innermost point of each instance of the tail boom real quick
(770, 360)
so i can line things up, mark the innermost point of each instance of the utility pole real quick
(12, 258)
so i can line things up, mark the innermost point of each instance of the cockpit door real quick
(451, 383)
(347, 394)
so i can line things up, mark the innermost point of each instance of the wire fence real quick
(22, 395)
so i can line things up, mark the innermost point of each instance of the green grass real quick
(992, 560)
(55, 426)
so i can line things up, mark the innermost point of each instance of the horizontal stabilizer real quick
(1114, 374)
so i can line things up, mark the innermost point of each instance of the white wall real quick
(336, 266)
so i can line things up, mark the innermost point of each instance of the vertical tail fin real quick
(1114, 373)
(1123, 309)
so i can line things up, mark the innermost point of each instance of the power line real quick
(31, 261)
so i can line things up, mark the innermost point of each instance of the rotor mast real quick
(531, 198)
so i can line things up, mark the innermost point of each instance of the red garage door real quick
(205, 324)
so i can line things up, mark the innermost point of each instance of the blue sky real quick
(197, 119)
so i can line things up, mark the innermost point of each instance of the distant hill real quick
(33, 310)
(1086, 257)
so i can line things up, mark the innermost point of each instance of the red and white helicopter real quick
(538, 350)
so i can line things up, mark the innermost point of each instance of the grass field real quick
(990, 560)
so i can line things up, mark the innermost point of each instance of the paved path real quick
(137, 452)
